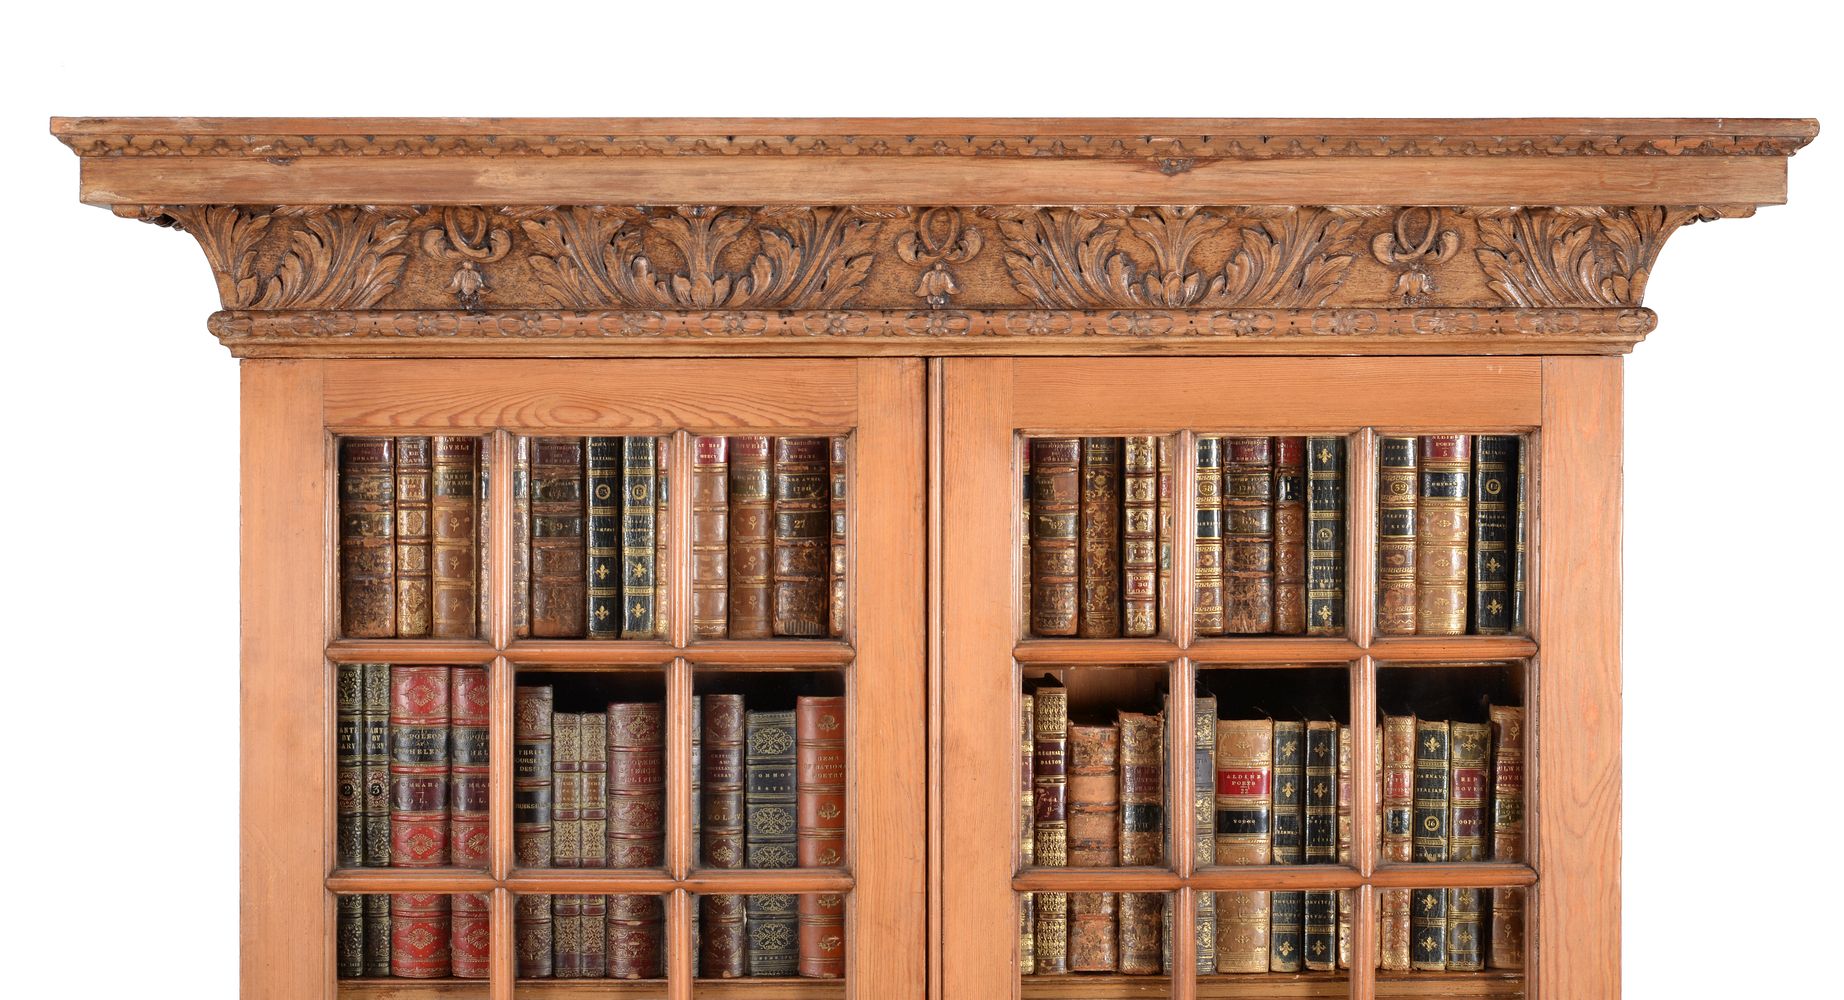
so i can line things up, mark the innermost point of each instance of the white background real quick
(120, 696)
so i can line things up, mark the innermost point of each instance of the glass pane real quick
(412, 526)
(1451, 780)
(769, 936)
(1102, 944)
(1095, 774)
(1452, 939)
(412, 935)
(590, 936)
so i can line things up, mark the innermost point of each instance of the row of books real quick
(412, 522)
(1451, 512)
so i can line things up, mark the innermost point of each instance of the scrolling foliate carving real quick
(940, 238)
(469, 239)
(1415, 243)
(297, 258)
(1536, 257)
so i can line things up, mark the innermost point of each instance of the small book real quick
(636, 785)
(420, 934)
(1520, 538)
(1321, 930)
(1094, 932)
(592, 792)
(1098, 527)
(837, 576)
(567, 936)
(566, 819)
(1431, 796)
(377, 934)
(520, 487)
(1050, 821)
(1428, 930)
(1245, 762)
(1204, 784)
(454, 537)
(419, 772)
(349, 936)
(1287, 802)
(367, 550)
(602, 494)
(710, 537)
(1052, 946)
(470, 942)
(751, 533)
(1443, 507)
(1494, 500)
(772, 926)
(470, 702)
(1027, 793)
(1168, 534)
(558, 557)
(1027, 934)
(1396, 518)
(1290, 535)
(1397, 803)
(1207, 577)
(1056, 486)
(415, 594)
(375, 737)
(722, 943)
(592, 919)
(1325, 536)
(662, 540)
(349, 794)
(1347, 900)
(636, 935)
(1139, 537)
(1469, 752)
(1024, 540)
(534, 939)
(1205, 939)
(639, 537)
(532, 819)
(1286, 931)
(1465, 949)
(1142, 788)
(1321, 905)
(1394, 929)
(802, 533)
(1248, 536)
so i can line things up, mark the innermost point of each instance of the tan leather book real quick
(592, 794)
(662, 539)
(1052, 946)
(1245, 770)
(558, 554)
(1139, 537)
(710, 537)
(520, 598)
(1140, 914)
(367, 553)
(1207, 600)
(1248, 536)
(1027, 934)
(1094, 802)
(566, 804)
(837, 582)
(1167, 531)
(414, 560)
(1441, 532)
(1393, 929)
(1242, 932)
(1056, 489)
(1098, 593)
(1397, 459)
(1049, 778)
(751, 532)
(802, 547)
(1027, 794)
(1094, 932)
(1142, 788)
(1506, 947)
(454, 565)
(1290, 535)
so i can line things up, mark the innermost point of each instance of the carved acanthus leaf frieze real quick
(1579, 256)
(342, 257)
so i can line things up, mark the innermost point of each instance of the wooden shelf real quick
(703, 880)
(1447, 984)
(1092, 986)
(455, 651)
(1277, 651)
(585, 989)
(410, 880)
(1137, 652)
(1414, 650)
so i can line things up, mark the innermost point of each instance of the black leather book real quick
(639, 546)
(602, 483)
(1428, 930)
(1321, 793)
(375, 749)
(1430, 791)
(769, 831)
(1286, 931)
(1321, 930)
(1325, 536)
(1465, 952)
(1494, 501)
(349, 776)
(1288, 820)
(349, 942)
(377, 934)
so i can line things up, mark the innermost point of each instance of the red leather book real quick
(1098, 526)
(349, 778)
(367, 563)
(1290, 535)
(636, 936)
(533, 936)
(1139, 537)
(710, 537)
(419, 771)
(822, 935)
(532, 819)
(802, 550)
(559, 577)
(1248, 536)
(836, 580)
(722, 940)
(420, 935)
(454, 536)
(471, 937)
(411, 530)
(469, 699)
(636, 785)
(819, 807)
(1056, 484)
(751, 538)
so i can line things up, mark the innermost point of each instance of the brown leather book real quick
(819, 788)
(636, 786)
(558, 555)
(567, 936)
(367, 552)
(722, 940)
(1098, 527)
(636, 935)
(592, 793)
(1142, 788)
(1245, 762)
(520, 598)
(1248, 536)
(470, 701)
(454, 567)
(534, 937)
(802, 536)
(1393, 928)
(1290, 535)
(1027, 794)
(420, 935)
(1140, 916)
(1027, 934)
(1208, 576)
(1397, 489)
(566, 814)
(1052, 950)
(532, 820)
(1056, 489)
(413, 559)
(1167, 532)
(822, 935)
(1506, 949)
(1441, 532)
(751, 538)
(662, 538)
(592, 918)
(721, 838)
(1024, 539)
(710, 537)
(836, 580)
(1051, 820)
(1242, 931)
(1139, 544)
(419, 769)
(1093, 809)
(1094, 932)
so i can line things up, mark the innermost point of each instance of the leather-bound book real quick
(1290, 535)
(470, 704)
(1205, 938)
(1505, 947)
(1431, 777)
(1465, 947)
(1242, 931)
(454, 537)
(662, 539)
(1094, 932)
(1248, 536)
(349, 777)
(375, 745)
(592, 919)
(751, 538)
(419, 768)
(1428, 930)
(1469, 775)
(1287, 801)
(769, 818)
(1245, 769)
(819, 782)
(602, 474)
(420, 935)
(1056, 490)
(1027, 793)
(1286, 931)
(1321, 909)
(1520, 538)
(1507, 923)
(837, 583)
(566, 813)
(1347, 900)
(722, 942)
(636, 936)
(1207, 581)
(1139, 542)
(531, 786)
(721, 839)
(1394, 929)
(1325, 536)
(414, 559)
(367, 551)
(349, 936)
(1397, 802)
(696, 774)
(1494, 502)
(1027, 934)
(822, 934)
(1093, 811)
(520, 487)
(377, 934)
(1098, 527)
(1204, 783)
(1347, 913)
(558, 556)
(1396, 493)
(470, 939)
(639, 540)
(1441, 534)
(592, 792)
(802, 536)
(1321, 930)
(1142, 788)
(710, 537)
(1139, 919)
(636, 784)
(533, 935)
(1050, 821)
(1024, 539)
(1052, 951)
(772, 925)
(1167, 533)
(483, 543)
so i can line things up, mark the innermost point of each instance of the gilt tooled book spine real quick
(349, 938)
(1325, 536)
(1204, 782)
(1520, 539)
(419, 767)
(1052, 946)
(1286, 930)
(1248, 536)
(483, 543)
(1507, 917)
(1167, 532)
(531, 786)
(710, 537)
(1394, 929)
(1397, 803)
(558, 555)
(1142, 788)
(1244, 777)
(769, 817)
(1050, 821)
(1207, 579)
(349, 776)
(822, 935)
(377, 934)
(819, 785)
(415, 561)
(1024, 538)
(1347, 912)
(602, 474)
(1347, 900)
(592, 791)
(566, 819)
(662, 539)
(1321, 793)
(420, 935)
(639, 537)
(1027, 793)
(636, 941)
(1469, 778)
(1098, 526)
(375, 747)
(721, 839)
(470, 701)
(520, 556)
(751, 533)
(1290, 535)
(1506, 943)
(1321, 930)
(1139, 544)
(1205, 937)
(1027, 934)
(592, 921)
(1465, 947)
(470, 942)
(722, 943)
(636, 784)
(1494, 502)
(772, 926)
(1396, 504)
(1094, 932)
(1431, 778)
(533, 935)
(1287, 801)
(696, 774)
(1056, 489)
(1139, 917)
(1242, 931)
(1441, 534)
(367, 550)
(837, 581)
(1428, 930)
(454, 537)
(803, 531)
(1093, 810)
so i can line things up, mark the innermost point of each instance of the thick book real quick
(1428, 930)
(1325, 536)
(1290, 535)
(349, 788)
(1494, 501)
(1520, 537)
(566, 816)
(1248, 536)
(1441, 534)
(822, 934)
(1397, 465)
(1027, 793)
(721, 839)
(377, 909)
(1207, 575)
(1098, 527)
(413, 523)
(1056, 489)
(1242, 931)
(710, 537)
(602, 472)
(802, 537)
(1469, 753)
(470, 704)
(1507, 916)
(1094, 932)
(1168, 534)
(722, 943)
(1052, 945)
(662, 539)
(592, 791)
(636, 936)
(558, 557)
(1139, 915)
(1204, 782)
(454, 537)
(1142, 788)
(769, 803)
(1321, 930)
(367, 550)
(349, 936)
(1050, 820)
(1093, 802)
(837, 571)
(1027, 934)
(532, 717)
(1287, 838)
(470, 939)
(420, 935)
(519, 599)
(636, 784)
(375, 748)
(819, 782)
(639, 538)
(1139, 544)
(419, 768)
(1245, 769)
(533, 935)
(1431, 778)
(772, 926)
(751, 533)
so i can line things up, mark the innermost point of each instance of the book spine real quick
(1205, 937)
(1347, 900)
(1286, 931)
(697, 780)
(1055, 503)
(1142, 788)
(1094, 932)
(1027, 793)
(1243, 931)
(721, 840)
(532, 717)
(723, 945)
(639, 538)
(837, 580)
(1024, 539)
(1027, 934)
(1050, 821)
(1494, 488)
(1347, 913)
(1139, 543)
(454, 563)
(377, 934)
(1431, 777)
(1167, 532)
(1244, 777)
(1464, 945)
(662, 539)
(710, 538)
(592, 923)
(636, 785)
(1520, 538)
(375, 741)
(1093, 810)
(751, 538)
(470, 941)
(819, 786)
(1393, 929)
(636, 934)
(1321, 793)
(1207, 580)
(367, 563)
(1140, 914)
(349, 937)
(558, 557)
(822, 935)
(414, 559)
(1321, 930)
(520, 487)
(533, 936)
(1428, 930)
(349, 783)
(602, 491)
(1248, 536)
(1098, 527)
(1397, 802)
(770, 821)
(1287, 795)
(1506, 947)
(420, 935)
(802, 536)
(567, 935)
(1204, 784)
(1469, 776)
(1441, 534)
(772, 925)
(1507, 923)
(470, 701)
(419, 768)
(1290, 543)
(1052, 950)
(566, 817)
(483, 541)
(1396, 496)
(1325, 533)
(592, 792)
